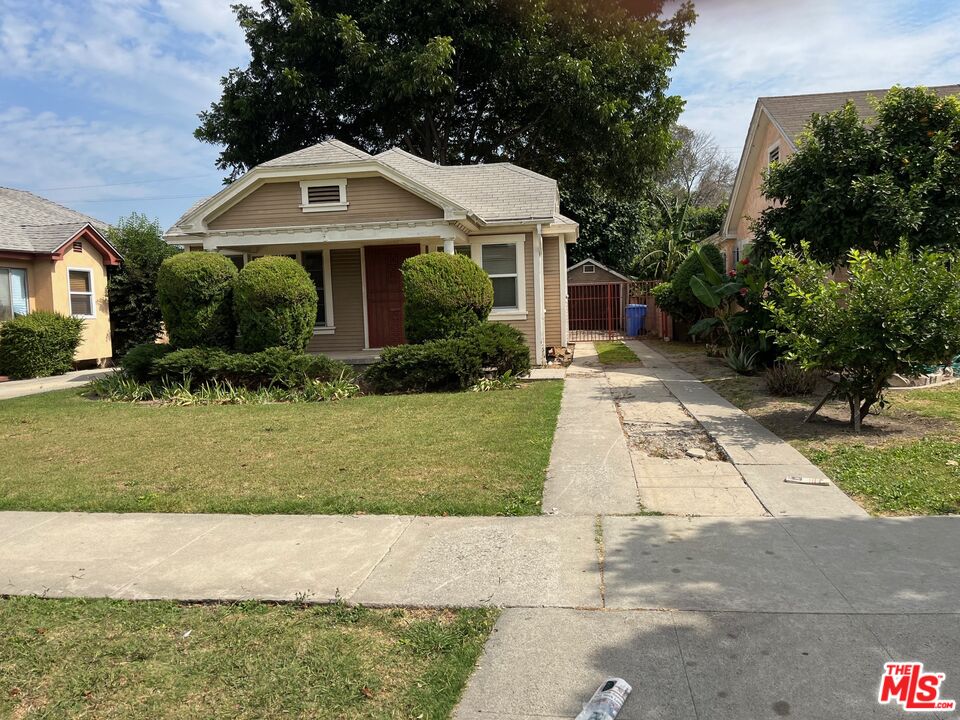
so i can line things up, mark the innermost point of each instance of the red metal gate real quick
(596, 311)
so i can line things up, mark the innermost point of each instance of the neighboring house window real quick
(736, 255)
(500, 262)
(81, 293)
(313, 264)
(589, 269)
(773, 155)
(13, 293)
(236, 260)
(723, 257)
(323, 196)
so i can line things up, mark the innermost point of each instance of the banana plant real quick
(717, 292)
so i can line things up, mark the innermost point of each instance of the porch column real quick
(540, 310)
(448, 246)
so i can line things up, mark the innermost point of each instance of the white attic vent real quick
(589, 269)
(323, 196)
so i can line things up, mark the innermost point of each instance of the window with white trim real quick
(313, 263)
(589, 269)
(80, 287)
(500, 262)
(323, 195)
(13, 293)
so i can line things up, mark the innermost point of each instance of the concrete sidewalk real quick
(834, 565)
(34, 386)
(590, 471)
(759, 456)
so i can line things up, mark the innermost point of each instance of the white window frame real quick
(775, 146)
(91, 293)
(307, 206)
(26, 287)
(518, 241)
(589, 269)
(328, 327)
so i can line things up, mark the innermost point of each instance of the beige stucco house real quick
(775, 127)
(352, 218)
(53, 258)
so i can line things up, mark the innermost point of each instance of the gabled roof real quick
(791, 113)
(601, 266)
(35, 225)
(332, 151)
(494, 192)
(490, 193)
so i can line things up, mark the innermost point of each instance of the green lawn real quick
(910, 479)
(462, 454)
(114, 659)
(615, 353)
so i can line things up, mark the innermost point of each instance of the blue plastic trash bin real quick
(635, 317)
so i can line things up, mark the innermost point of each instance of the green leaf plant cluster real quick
(894, 312)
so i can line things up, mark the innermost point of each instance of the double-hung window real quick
(313, 264)
(501, 264)
(13, 293)
(81, 293)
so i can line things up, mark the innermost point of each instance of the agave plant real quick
(742, 359)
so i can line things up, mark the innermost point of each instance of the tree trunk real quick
(855, 412)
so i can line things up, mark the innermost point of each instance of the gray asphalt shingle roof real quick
(495, 192)
(792, 112)
(32, 224)
(332, 151)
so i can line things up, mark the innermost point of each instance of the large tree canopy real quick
(575, 89)
(867, 184)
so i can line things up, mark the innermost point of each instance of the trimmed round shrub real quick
(275, 302)
(444, 296)
(433, 366)
(502, 347)
(691, 266)
(195, 291)
(39, 344)
(139, 361)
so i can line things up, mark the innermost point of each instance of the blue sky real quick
(98, 100)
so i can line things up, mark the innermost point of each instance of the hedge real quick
(433, 366)
(39, 344)
(502, 347)
(275, 303)
(195, 291)
(444, 296)
(139, 361)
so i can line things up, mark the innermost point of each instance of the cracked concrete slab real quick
(524, 561)
(784, 499)
(702, 501)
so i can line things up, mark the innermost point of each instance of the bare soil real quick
(784, 415)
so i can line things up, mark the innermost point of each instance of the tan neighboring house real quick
(53, 258)
(775, 127)
(351, 218)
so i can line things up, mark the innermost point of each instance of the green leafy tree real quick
(690, 198)
(897, 313)
(574, 89)
(134, 309)
(859, 184)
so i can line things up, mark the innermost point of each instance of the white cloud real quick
(740, 50)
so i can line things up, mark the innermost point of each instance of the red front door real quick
(385, 292)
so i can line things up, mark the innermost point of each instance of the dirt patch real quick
(784, 416)
(672, 443)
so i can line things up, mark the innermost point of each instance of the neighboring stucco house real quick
(352, 218)
(53, 258)
(772, 137)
